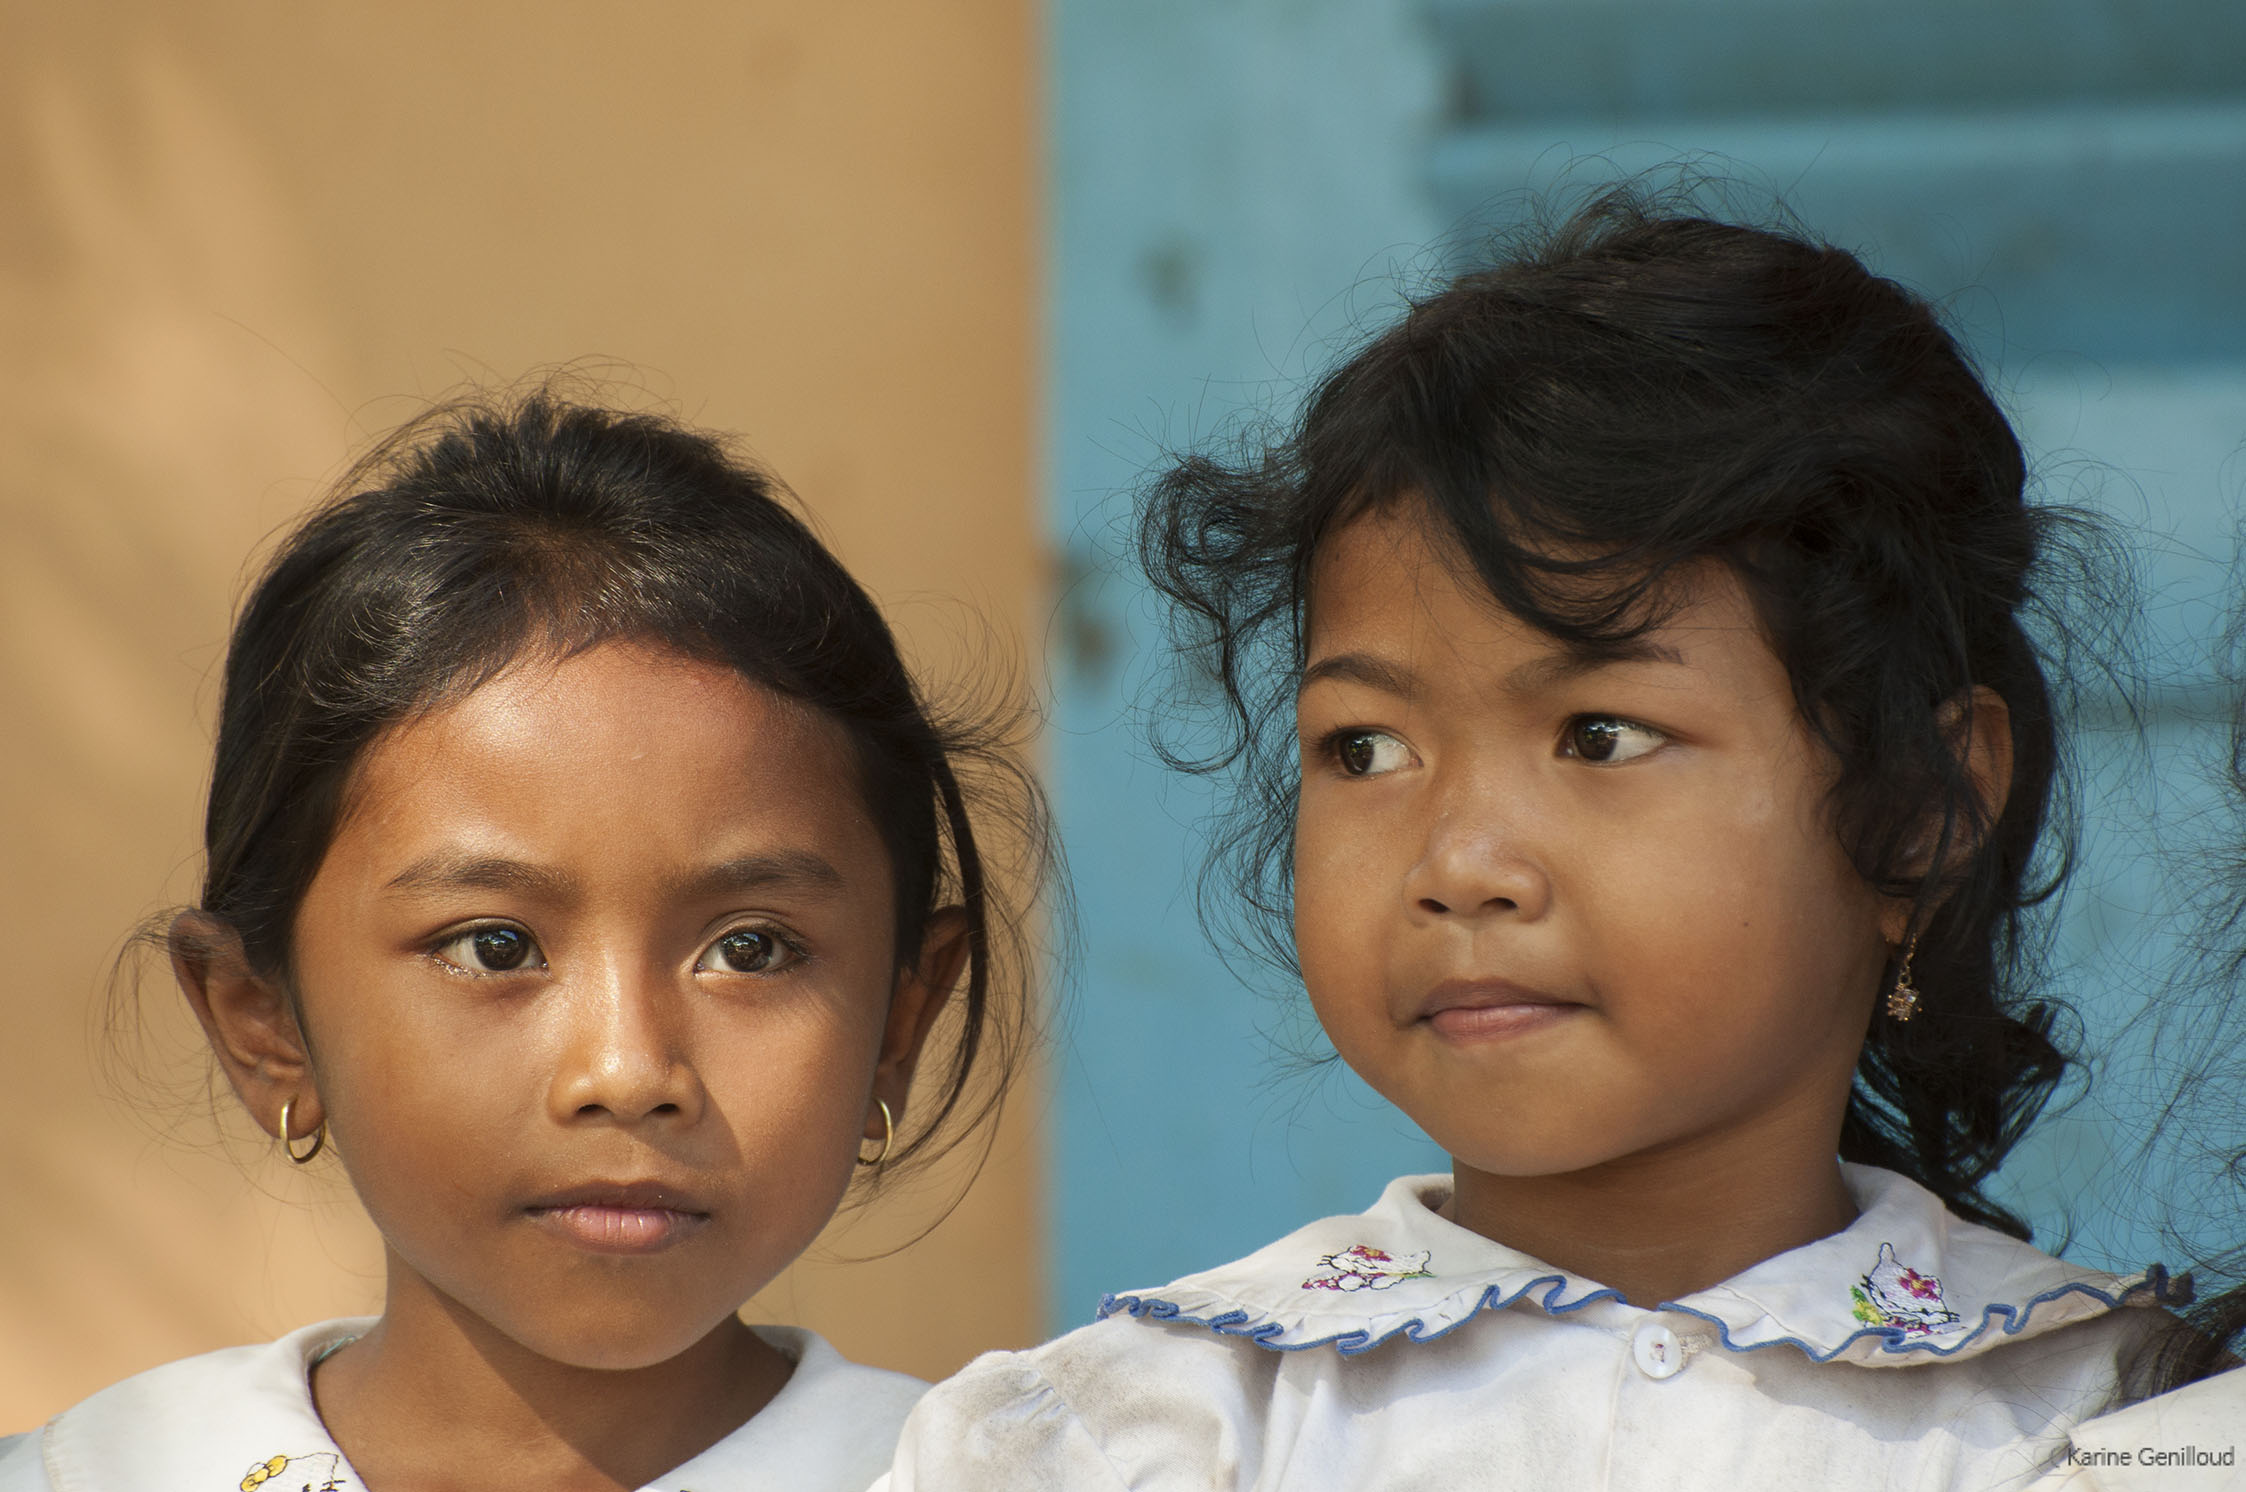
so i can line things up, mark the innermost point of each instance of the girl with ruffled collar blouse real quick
(1647, 752)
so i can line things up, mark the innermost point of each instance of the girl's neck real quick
(433, 1396)
(1660, 1225)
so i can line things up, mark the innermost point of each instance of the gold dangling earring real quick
(1902, 1000)
(319, 1138)
(888, 1135)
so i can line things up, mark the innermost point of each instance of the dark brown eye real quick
(1606, 740)
(747, 950)
(1594, 740)
(499, 948)
(1368, 753)
(491, 950)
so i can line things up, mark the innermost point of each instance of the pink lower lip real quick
(1494, 1022)
(620, 1230)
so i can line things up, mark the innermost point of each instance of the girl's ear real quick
(1978, 726)
(249, 1021)
(923, 988)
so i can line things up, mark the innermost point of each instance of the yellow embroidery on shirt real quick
(264, 1471)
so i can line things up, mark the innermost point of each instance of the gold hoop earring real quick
(1902, 999)
(319, 1137)
(888, 1135)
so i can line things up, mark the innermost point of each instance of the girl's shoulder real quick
(1396, 1314)
(243, 1420)
(831, 1427)
(2184, 1440)
(20, 1466)
(233, 1419)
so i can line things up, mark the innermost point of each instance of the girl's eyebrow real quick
(448, 872)
(1361, 668)
(774, 870)
(785, 870)
(1572, 661)
(1555, 667)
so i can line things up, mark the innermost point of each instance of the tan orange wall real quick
(237, 238)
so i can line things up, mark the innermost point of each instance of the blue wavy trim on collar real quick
(2008, 1320)
(1349, 1343)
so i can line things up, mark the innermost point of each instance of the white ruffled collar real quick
(1907, 1282)
(243, 1418)
(238, 1418)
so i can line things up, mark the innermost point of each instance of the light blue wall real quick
(1222, 175)
(1236, 186)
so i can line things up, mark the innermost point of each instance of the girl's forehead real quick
(614, 722)
(1382, 547)
(621, 687)
(1385, 585)
(1391, 558)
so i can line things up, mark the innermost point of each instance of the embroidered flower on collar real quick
(1956, 1290)
(1892, 1295)
(264, 1471)
(1364, 1267)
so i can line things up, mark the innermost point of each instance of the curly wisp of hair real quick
(1620, 399)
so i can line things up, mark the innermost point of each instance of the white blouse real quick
(242, 1420)
(1395, 1349)
(2186, 1441)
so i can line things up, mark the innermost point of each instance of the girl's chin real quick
(624, 1350)
(600, 1332)
(1515, 1158)
(1513, 1166)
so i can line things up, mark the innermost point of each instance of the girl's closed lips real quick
(1491, 1009)
(621, 1217)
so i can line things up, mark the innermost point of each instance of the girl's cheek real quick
(1338, 901)
(412, 1078)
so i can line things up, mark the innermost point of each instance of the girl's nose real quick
(1476, 861)
(622, 1060)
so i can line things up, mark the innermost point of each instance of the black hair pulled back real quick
(1635, 392)
(497, 527)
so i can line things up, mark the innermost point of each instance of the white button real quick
(1657, 1351)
